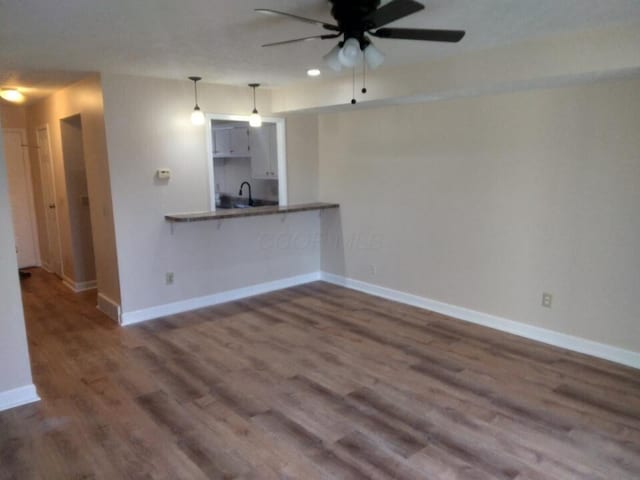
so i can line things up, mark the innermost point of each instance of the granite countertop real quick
(247, 212)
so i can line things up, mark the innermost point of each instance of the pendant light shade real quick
(197, 117)
(255, 120)
(373, 56)
(349, 54)
(332, 59)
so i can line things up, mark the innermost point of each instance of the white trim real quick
(78, 287)
(281, 136)
(551, 337)
(137, 316)
(18, 396)
(109, 307)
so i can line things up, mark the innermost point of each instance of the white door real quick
(21, 197)
(51, 258)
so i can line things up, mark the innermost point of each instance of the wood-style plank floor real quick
(313, 382)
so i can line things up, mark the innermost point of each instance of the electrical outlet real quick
(169, 278)
(547, 300)
(373, 269)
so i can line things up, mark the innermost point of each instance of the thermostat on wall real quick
(164, 174)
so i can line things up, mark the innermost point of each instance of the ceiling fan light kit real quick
(350, 54)
(356, 20)
(332, 59)
(373, 57)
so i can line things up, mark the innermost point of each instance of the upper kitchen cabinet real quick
(231, 141)
(264, 152)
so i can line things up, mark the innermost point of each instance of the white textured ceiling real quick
(52, 42)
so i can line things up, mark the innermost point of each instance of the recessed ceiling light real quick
(314, 72)
(11, 95)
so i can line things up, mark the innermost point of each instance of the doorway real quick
(21, 197)
(82, 274)
(50, 251)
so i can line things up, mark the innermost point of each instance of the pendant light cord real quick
(254, 100)
(195, 90)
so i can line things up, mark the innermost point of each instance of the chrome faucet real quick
(240, 192)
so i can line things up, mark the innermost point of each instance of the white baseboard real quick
(109, 307)
(78, 287)
(18, 396)
(551, 337)
(129, 318)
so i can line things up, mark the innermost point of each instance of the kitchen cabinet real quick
(264, 152)
(231, 142)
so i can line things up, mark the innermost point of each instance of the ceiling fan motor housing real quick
(350, 14)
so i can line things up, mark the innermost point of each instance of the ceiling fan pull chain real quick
(364, 76)
(353, 100)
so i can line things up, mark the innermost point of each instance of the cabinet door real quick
(273, 151)
(240, 141)
(222, 142)
(260, 148)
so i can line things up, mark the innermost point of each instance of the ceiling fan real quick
(356, 20)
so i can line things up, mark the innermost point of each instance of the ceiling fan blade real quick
(304, 39)
(452, 36)
(392, 11)
(327, 26)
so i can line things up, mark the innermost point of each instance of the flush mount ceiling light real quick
(255, 120)
(11, 95)
(358, 20)
(313, 72)
(197, 117)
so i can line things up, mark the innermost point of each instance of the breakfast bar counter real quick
(247, 212)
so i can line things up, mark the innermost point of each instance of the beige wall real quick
(13, 116)
(15, 370)
(302, 153)
(83, 98)
(486, 202)
(148, 127)
(77, 194)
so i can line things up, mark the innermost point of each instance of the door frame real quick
(26, 160)
(281, 138)
(52, 174)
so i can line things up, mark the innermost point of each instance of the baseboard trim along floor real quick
(550, 337)
(78, 287)
(18, 397)
(109, 307)
(130, 318)
(543, 335)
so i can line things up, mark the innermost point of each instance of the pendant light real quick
(255, 120)
(197, 117)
